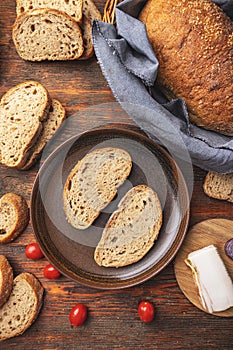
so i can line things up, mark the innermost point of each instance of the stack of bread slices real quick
(21, 299)
(54, 29)
(29, 118)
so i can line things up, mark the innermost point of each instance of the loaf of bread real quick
(193, 41)
(219, 186)
(47, 34)
(93, 183)
(55, 118)
(131, 230)
(22, 109)
(21, 309)
(6, 279)
(72, 8)
(14, 216)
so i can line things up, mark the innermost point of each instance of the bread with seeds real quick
(14, 216)
(195, 61)
(93, 183)
(22, 308)
(47, 34)
(22, 109)
(131, 230)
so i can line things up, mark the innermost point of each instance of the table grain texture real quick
(113, 322)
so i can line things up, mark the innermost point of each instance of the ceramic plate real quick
(71, 250)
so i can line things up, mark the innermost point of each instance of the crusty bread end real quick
(14, 216)
(219, 186)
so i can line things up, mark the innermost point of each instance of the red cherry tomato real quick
(78, 315)
(51, 272)
(33, 251)
(146, 311)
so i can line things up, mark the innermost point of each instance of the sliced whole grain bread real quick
(91, 11)
(55, 118)
(46, 34)
(72, 8)
(219, 186)
(22, 307)
(86, 28)
(22, 109)
(93, 183)
(14, 216)
(6, 279)
(131, 230)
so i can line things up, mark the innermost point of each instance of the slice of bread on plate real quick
(22, 109)
(131, 230)
(72, 8)
(55, 118)
(219, 186)
(93, 183)
(47, 34)
(22, 308)
(14, 216)
(6, 279)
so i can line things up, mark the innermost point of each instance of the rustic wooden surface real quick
(113, 322)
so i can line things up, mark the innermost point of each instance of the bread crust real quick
(21, 216)
(6, 279)
(193, 41)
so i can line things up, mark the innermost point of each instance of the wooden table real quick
(113, 322)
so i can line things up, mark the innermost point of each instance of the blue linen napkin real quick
(130, 68)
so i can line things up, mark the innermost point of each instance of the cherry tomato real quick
(51, 272)
(33, 251)
(78, 315)
(146, 311)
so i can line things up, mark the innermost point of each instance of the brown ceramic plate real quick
(71, 250)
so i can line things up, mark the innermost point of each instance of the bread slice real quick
(93, 183)
(50, 126)
(46, 34)
(22, 307)
(14, 216)
(6, 279)
(22, 109)
(86, 28)
(131, 230)
(72, 8)
(91, 11)
(219, 186)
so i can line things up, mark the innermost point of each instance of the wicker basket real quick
(109, 11)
